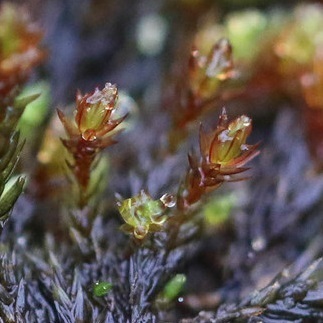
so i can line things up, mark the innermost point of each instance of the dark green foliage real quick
(10, 148)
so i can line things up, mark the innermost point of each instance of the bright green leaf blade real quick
(101, 288)
(10, 197)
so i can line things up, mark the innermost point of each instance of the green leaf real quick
(6, 173)
(9, 198)
(101, 288)
(22, 102)
(10, 149)
(174, 287)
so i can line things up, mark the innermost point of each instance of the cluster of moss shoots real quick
(223, 151)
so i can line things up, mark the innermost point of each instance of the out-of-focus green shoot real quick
(101, 289)
(217, 211)
(301, 36)
(10, 148)
(292, 36)
(36, 112)
(207, 72)
(19, 53)
(172, 289)
(245, 29)
(49, 180)
(202, 89)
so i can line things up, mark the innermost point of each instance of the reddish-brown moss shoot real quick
(91, 131)
(19, 51)
(200, 89)
(223, 153)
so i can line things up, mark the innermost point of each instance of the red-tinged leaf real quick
(69, 127)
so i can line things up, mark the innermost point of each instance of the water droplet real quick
(106, 96)
(89, 135)
(21, 241)
(223, 136)
(94, 98)
(258, 244)
(168, 200)
(246, 121)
